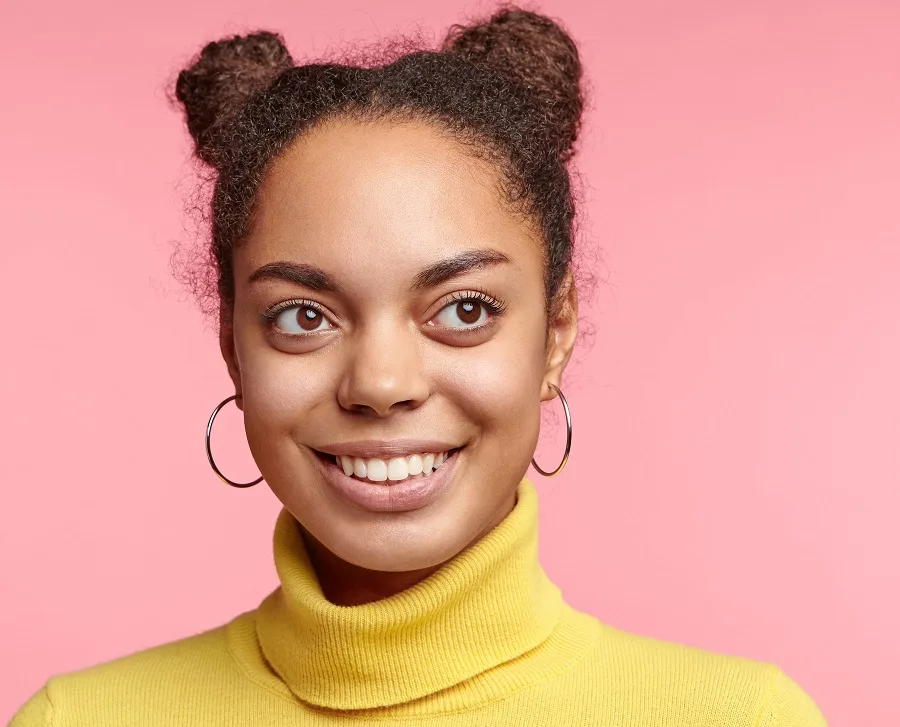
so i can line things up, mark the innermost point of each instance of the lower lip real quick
(388, 496)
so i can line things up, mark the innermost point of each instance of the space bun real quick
(221, 78)
(539, 54)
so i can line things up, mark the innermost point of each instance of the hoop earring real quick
(568, 437)
(209, 456)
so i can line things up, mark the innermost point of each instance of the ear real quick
(563, 329)
(229, 353)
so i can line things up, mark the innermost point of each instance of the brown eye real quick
(309, 319)
(462, 314)
(302, 319)
(468, 311)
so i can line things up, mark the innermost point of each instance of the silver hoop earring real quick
(209, 456)
(568, 437)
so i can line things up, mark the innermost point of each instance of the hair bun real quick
(222, 77)
(539, 54)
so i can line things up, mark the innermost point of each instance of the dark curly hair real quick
(508, 88)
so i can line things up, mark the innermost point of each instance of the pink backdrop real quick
(735, 477)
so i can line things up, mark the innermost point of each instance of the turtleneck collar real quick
(487, 605)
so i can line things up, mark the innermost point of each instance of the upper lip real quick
(368, 448)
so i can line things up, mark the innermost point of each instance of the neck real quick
(346, 584)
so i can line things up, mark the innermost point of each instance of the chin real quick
(400, 535)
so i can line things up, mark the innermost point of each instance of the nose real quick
(384, 372)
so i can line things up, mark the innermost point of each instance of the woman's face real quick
(389, 307)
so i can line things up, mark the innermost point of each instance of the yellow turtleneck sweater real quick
(485, 640)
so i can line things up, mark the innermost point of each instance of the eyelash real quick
(269, 316)
(494, 306)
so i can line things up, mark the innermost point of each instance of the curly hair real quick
(508, 88)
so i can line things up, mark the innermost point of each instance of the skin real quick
(372, 205)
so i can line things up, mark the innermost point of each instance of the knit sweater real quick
(487, 639)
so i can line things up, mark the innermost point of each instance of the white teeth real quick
(376, 470)
(394, 469)
(397, 469)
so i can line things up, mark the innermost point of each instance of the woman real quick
(391, 250)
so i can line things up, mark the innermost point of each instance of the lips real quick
(389, 495)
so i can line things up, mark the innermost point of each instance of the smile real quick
(389, 470)
(408, 475)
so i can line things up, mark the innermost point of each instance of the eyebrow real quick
(309, 276)
(452, 267)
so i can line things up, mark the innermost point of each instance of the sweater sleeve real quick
(36, 712)
(789, 706)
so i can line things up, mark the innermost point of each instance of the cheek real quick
(497, 386)
(281, 393)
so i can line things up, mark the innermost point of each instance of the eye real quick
(297, 318)
(468, 311)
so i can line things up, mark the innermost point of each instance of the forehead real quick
(354, 192)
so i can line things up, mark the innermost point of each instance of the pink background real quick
(735, 477)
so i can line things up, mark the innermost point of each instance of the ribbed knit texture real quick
(485, 640)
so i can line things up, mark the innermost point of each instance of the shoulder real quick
(789, 704)
(652, 678)
(141, 683)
